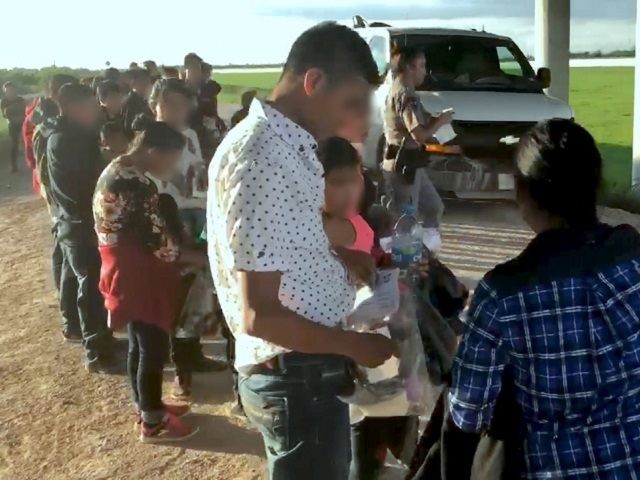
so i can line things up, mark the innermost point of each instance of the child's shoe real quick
(170, 429)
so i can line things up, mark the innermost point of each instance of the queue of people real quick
(285, 226)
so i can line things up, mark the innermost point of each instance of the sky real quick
(71, 33)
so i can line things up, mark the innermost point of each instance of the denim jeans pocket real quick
(270, 414)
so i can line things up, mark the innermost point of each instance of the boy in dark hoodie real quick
(135, 103)
(74, 165)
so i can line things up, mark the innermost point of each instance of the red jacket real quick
(137, 286)
(27, 138)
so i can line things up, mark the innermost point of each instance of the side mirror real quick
(544, 77)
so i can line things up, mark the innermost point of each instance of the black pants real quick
(148, 352)
(82, 264)
(14, 135)
(182, 353)
(373, 436)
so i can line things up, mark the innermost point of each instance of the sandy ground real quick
(59, 422)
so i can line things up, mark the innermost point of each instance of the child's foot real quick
(71, 337)
(182, 387)
(176, 409)
(171, 429)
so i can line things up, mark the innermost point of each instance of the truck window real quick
(379, 47)
(460, 62)
(508, 63)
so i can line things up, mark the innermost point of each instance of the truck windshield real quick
(473, 63)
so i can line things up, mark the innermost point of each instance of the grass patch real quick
(234, 84)
(603, 102)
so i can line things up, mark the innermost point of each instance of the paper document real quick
(445, 134)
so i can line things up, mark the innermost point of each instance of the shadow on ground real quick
(218, 434)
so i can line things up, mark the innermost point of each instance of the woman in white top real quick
(170, 102)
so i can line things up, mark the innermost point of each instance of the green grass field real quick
(601, 97)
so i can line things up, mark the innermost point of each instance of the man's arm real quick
(265, 317)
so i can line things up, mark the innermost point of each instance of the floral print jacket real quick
(126, 204)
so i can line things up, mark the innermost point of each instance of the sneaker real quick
(101, 364)
(178, 410)
(171, 429)
(432, 240)
(71, 337)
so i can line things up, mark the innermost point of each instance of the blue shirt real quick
(565, 317)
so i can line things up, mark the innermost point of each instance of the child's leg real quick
(181, 358)
(133, 358)
(368, 448)
(154, 348)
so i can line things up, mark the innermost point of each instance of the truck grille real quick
(481, 140)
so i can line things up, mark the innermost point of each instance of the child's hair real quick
(165, 86)
(170, 72)
(247, 97)
(58, 80)
(152, 134)
(106, 88)
(111, 73)
(138, 74)
(110, 129)
(73, 93)
(336, 152)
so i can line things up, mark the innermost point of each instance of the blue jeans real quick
(81, 274)
(305, 427)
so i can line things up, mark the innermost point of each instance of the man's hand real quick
(371, 349)
(361, 265)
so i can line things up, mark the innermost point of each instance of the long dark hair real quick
(152, 134)
(559, 165)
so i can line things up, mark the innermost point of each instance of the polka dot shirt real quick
(264, 214)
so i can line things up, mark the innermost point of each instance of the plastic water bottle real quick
(406, 243)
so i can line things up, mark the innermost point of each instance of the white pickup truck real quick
(494, 91)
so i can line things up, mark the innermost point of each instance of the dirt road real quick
(59, 422)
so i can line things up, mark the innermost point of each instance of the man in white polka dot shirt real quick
(284, 293)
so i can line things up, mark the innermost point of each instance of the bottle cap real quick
(408, 209)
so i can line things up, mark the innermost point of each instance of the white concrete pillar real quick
(553, 28)
(635, 173)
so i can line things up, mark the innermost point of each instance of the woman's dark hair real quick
(166, 86)
(157, 135)
(171, 215)
(335, 49)
(106, 88)
(110, 129)
(403, 57)
(559, 165)
(336, 152)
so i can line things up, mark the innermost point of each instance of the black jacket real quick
(74, 165)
